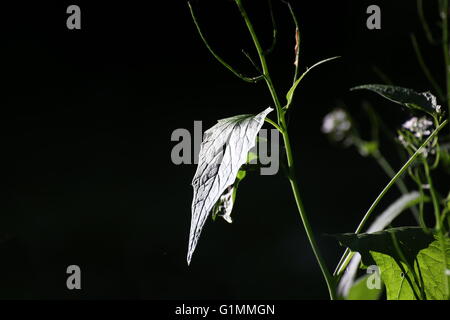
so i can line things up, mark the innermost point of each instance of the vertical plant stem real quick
(290, 159)
(295, 189)
(262, 59)
(434, 197)
(297, 41)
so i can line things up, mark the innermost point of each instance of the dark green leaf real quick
(409, 98)
(412, 239)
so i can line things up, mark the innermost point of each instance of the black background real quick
(87, 120)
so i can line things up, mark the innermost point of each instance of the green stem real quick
(347, 254)
(384, 164)
(418, 181)
(290, 159)
(295, 189)
(218, 58)
(274, 124)
(297, 41)
(262, 58)
(434, 197)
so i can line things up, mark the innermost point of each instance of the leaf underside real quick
(223, 151)
(360, 290)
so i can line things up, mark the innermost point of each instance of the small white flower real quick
(337, 124)
(420, 127)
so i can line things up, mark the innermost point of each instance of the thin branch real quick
(262, 58)
(218, 58)
(297, 39)
(274, 124)
(254, 64)
(290, 159)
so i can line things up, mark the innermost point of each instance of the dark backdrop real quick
(87, 119)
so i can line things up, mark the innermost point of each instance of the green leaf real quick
(420, 250)
(240, 176)
(380, 223)
(252, 157)
(409, 98)
(360, 290)
(397, 285)
(290, 94)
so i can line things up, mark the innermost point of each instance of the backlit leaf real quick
(223, 151)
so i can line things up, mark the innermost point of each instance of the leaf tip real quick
(189, 258)
(268, 110)
(357, 88)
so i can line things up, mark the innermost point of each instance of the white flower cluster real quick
(337, 124)
(420, 127)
